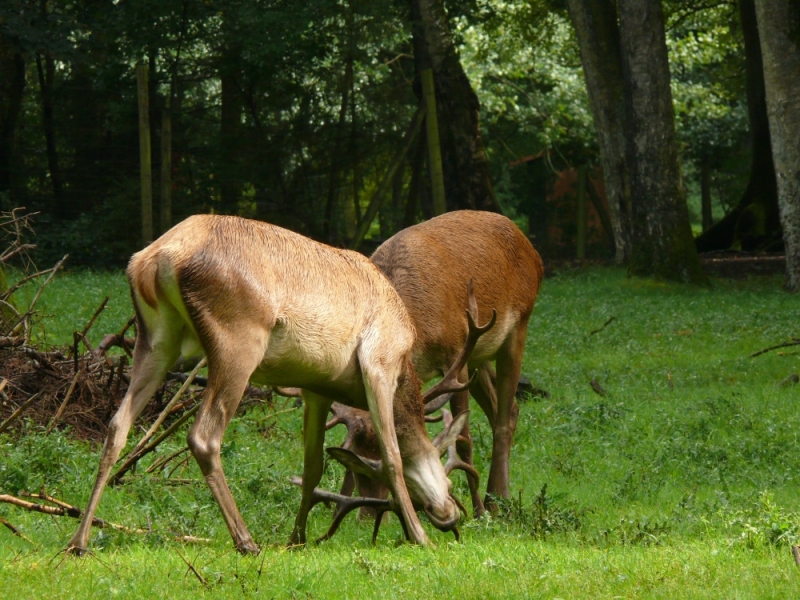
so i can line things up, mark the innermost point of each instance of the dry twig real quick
(606, 324)
(794, 342)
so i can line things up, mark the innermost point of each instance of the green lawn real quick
(680, 482)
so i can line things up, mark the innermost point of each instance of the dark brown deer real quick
(430, 265)
(266, 304)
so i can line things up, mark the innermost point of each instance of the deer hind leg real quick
(509, 365)
(154, 354)
(314, 417)
(230, 366)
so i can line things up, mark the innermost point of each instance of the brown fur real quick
(430, 265)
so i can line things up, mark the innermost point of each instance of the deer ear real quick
(450, 434)
(357, 464)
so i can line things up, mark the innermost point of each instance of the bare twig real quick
(200, 578)
(67, 397)
(16, 531)
(164, 413)
(165, 459)
(790, 380)
(17, 413)
(794, 342)
(606, 324)
(22, 318)
(132, 460)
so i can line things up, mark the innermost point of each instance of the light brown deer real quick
(430, 265)
(266, 304)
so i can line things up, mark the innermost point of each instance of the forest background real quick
(303, 114)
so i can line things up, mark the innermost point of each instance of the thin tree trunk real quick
(46, 73)
(334, 176)
(145, 167)
(705, 193)
(467, 176)
(166, 169)
(415, 184)
(12, 86)
(779, 30)
(661, 237)
(595, 23)
(229, 142)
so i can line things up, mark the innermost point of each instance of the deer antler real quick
(347, 504)
(449, 383)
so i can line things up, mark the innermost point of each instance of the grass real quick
(680, 482)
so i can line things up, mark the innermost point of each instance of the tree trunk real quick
(467, 177)
(336, 167)
(12, 86)
(596, 28)
(779, 29)
(661, 237)
(229, 142)
(754, 222)
(46, 73)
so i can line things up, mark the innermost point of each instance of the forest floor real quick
(663, 464)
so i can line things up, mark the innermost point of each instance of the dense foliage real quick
(292, 113)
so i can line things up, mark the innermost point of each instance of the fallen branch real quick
(790, 380)
(794, 342)
(63, 509)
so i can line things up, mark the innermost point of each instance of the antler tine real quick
(449, 382)
(454, 462)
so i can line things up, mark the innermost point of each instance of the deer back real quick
(430, 265)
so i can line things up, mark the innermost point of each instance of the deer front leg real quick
(314, 417)
(149, 368)
(380, 398)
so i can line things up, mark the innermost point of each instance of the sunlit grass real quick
(680, 482)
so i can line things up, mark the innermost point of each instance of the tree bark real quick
(754, 222)
(467, 177)
(596, 28)
(661, 237)
(779, 30)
